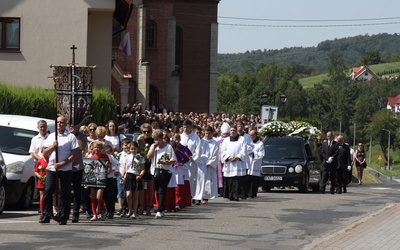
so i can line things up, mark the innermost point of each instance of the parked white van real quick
(16, 133)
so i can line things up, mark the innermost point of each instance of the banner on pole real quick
(73, 86)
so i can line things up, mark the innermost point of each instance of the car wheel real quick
(304, 187)
(266, 188)
(26, 198)
(2, 198)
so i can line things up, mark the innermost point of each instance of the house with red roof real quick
(393, 104)
(362, 73)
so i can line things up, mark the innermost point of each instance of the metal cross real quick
(73, 53)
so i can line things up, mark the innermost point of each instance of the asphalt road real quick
(281, 219)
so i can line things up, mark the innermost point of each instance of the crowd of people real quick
(177, 161)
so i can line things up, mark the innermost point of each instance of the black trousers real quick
(161, 183)
(78, 190)
(342, 178)
(235, 187)
(328, 172)
(254, 183)
(109, 195)
(64, 192)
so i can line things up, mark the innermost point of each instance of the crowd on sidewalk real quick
(178, 160)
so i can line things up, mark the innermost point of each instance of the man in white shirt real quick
(60, 166)
(36, 143)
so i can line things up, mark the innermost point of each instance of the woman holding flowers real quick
(162, 157)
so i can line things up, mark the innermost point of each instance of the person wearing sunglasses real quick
(145, 141)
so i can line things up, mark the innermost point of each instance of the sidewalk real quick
(379, 230)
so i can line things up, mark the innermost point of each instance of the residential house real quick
(393, 104)
(362, 73)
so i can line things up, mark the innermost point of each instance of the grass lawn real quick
(380, 166)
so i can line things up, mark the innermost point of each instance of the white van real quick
(16, 133)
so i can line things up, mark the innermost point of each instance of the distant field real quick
(310, 81)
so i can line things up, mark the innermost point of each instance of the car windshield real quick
(15, 140)
(283, 152)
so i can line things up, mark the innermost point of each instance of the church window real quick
(150, 35)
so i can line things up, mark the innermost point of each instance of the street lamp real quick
(264, 99)
(388, 163)
(283, 98)
(354, 135)
(340, 125)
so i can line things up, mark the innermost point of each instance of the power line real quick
(309, 20)
(307, 26)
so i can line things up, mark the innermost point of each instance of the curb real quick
(324, 239)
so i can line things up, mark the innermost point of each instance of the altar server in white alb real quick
(256, 157)
(192, 142)
(211, 181)
(201, 167)
(233, 153)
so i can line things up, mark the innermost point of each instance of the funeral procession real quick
(124, 124)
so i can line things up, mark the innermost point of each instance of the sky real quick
(278, 24)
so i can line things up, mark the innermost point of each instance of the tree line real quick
(312, 59)
(338, 104)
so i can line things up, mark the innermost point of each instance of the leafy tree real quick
(228, 92)
(381, 121)
(336, 67)
(371, 57)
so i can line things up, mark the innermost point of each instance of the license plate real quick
(272, 178)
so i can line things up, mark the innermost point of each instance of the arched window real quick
(151, 34)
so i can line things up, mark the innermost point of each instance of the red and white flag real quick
(125, 44)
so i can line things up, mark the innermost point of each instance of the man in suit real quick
(343, 165)
(329, 152)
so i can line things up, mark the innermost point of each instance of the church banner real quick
(73, 85)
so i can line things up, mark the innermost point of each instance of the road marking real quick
(381, 188)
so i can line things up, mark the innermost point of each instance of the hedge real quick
(40, 103)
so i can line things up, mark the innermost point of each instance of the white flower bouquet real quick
(294, 128)
(274, 129)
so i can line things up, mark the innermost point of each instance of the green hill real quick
(315, 58)
(383, 67)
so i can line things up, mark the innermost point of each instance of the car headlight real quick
(15, 167)
(291, 170)
(298, 169)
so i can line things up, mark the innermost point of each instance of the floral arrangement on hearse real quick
(293, 128)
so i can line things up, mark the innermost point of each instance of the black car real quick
(289, 161)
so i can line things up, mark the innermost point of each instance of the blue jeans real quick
(120, 188)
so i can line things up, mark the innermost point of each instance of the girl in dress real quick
(359, 158)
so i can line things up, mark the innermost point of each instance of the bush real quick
(40, 103)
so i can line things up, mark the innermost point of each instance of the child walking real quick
(134, 172)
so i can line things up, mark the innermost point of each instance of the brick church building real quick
(173, 59)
